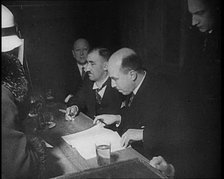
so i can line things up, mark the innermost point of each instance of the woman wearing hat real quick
(22, 156)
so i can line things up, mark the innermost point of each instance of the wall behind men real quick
(151, 27)
(50, 28)
(156, 30)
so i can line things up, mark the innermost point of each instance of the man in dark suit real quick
(96, 95)
(75, 79)
(201, 95)
(149, 109)
(198, 153)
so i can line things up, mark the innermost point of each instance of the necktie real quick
(130, 99)
(98, 97)
(83, 72)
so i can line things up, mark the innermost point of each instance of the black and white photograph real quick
(111, 89)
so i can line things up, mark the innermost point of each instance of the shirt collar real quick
(210, 31)
(101, 84)
(137, 88)
(80, 66)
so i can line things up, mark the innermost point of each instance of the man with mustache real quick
(96, 95)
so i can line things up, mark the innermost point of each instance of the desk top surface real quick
(63, 160)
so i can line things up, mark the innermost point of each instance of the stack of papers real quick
(85, 141)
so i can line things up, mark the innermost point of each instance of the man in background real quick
(200, 156)
(96, 95)
(201, 92)
(75, 78)
(206, 52)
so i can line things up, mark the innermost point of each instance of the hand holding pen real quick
(107, 119)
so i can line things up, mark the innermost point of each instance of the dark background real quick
(155, 29)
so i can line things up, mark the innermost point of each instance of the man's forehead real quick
(113, 68)
(195, 5)
(81, 43)
(114, 63)
(94, 56)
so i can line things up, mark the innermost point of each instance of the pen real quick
(101, 120)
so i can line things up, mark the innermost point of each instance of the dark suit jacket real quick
(175, 128)
(71, 81)
(74, 80)
(86, 101)
(19, 160)
(200, 83)
(154, 107)
(148, 105)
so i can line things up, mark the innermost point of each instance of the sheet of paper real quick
(84, 141)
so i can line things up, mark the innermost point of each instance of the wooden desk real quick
(63, 160)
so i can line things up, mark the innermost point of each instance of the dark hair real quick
(212, 3)
(103, 52)
(131, 62)
(214, 7)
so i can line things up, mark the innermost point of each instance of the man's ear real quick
(73, 53)
(105, 65)
(133, 75)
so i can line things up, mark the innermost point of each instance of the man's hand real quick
(107, 119)
(131, 135)
(160, 164)
(71, 112)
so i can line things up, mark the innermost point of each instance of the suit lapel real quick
(77, 71)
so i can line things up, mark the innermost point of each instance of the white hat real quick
(9, 38)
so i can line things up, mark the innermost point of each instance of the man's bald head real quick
(125, 60)
(123, 67)
(117, 57)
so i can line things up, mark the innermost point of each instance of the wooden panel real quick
(134, 168)
(50, 28)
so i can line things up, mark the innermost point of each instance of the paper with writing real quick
(85, 141)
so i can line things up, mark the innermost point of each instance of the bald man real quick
(148, 110)
(75, 79)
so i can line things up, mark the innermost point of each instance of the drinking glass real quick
(103, 152)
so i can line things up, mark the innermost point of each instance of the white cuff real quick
(67, 98)
(119, 121)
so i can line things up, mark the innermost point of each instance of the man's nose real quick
(195, 21)
(113, 84)
(87, 67)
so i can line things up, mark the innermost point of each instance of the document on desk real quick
(85, 141)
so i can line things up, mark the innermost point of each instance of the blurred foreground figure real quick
(22, 156)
